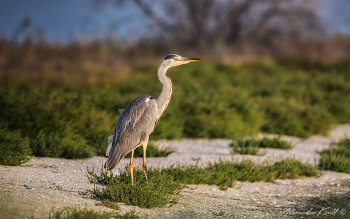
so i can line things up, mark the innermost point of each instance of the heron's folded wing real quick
(134, 125)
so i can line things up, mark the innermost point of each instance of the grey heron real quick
(138, 120)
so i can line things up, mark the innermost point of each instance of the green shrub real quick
(337, 157)
(292, 169)
(252, 145)
(158, 192)
(166, 182)
(225, 173)
(58, 122)
(241, 146)
(274, 143)
(75, 213)
(208, 101)
(14, 149)
(51, 145)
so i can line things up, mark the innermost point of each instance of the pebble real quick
(27, 187)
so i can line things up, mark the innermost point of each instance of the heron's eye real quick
(176, 59)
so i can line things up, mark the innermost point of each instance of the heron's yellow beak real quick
(184, 59)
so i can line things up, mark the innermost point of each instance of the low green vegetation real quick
(226, 173)
(337, 157)
(251, 145)
(63, 122)
(208, 101)
(276, 143)
(57, 123)
(165, 184)
(75, 213)
(14, 149)
(158, 192)
(245, 146)
(152, 151)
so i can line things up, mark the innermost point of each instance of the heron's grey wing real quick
(134, 125)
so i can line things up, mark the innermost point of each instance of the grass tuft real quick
(158, 192)
(242, 146)
(225, 173)
(337, 157)
(75, 213)
(164, 183)
(252, 145)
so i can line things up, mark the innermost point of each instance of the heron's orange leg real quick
(144, 167)
(132, 168)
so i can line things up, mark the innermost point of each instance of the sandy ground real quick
(44, 185)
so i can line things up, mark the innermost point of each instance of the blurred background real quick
(273, 66)
(216, 27)
(220, 29)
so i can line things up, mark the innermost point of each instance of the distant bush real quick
(14, 149)
(69, 146)
(58, 123)
(208, 101)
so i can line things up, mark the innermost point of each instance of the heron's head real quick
(175, 60)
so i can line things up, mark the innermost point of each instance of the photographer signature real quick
(325, 211)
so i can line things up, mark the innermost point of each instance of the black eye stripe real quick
(170, 56)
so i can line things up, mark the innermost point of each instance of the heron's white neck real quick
(164, 97)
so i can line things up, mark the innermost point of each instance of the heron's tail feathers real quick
(109, 142)
(112, 162)
(108, 166)
(115, 154)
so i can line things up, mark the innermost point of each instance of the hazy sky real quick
(78, 18)
(336, 13)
